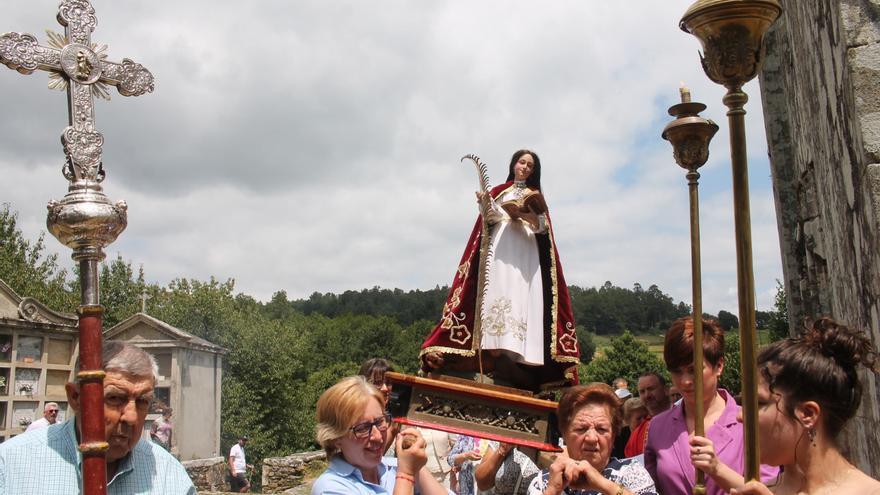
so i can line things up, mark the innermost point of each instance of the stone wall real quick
(283, 474)
(209, 475)
(821, 94)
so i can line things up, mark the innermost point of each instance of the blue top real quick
(342, 478)
(48, 462)
(467, 484)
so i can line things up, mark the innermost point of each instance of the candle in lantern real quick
(685, 93)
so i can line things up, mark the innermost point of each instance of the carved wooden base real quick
(469, 408)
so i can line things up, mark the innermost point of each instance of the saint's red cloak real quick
(455, 335)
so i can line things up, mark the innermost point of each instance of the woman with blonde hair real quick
(352, 429)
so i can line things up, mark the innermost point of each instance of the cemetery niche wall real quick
(38, 350)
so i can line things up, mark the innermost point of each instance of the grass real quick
(655, 342)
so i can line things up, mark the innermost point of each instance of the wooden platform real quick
(465, 407)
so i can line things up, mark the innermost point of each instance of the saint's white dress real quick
(513, 301)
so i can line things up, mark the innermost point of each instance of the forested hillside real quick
(283, 353)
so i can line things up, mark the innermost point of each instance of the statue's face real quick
(524, 167)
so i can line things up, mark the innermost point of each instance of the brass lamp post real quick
(732, 35)
(690, 135)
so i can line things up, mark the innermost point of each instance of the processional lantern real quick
(84, 220)
(732, 35)
(690, 135)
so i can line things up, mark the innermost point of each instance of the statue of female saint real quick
(519, 329)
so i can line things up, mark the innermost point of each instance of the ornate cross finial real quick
(84, 220)
(143, 297)
(78, 65)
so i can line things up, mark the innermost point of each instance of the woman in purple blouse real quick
(672, 450)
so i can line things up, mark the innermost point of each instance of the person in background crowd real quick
(238, 467)
(161, 429)
(48, 462)
(374, 371)
(50, 416)
(620, 383)
(671, 444)
(654, 395)
(464, 456)
(505, 469)
(622, 437)
(352, 425)
(437, 447)
(674, 394)
(634, 412)
(808, 390)
(589, 417)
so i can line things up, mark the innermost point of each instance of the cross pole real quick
(84, 220)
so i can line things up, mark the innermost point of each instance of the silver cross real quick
(76, 64)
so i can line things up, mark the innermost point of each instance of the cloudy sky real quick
(314, 145)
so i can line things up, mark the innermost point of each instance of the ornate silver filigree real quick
(83, 149)
(84, 220)
(496, 416)
(21, 52)
(129, 77)
(78, 16)
(79, 66)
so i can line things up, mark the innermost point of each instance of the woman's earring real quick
(812, 434)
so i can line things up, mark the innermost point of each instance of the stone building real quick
(821, 94)
(38, 350)
(190, 379)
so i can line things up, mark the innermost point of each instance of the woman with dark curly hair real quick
(808, 390)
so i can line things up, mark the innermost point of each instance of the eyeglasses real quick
(363, 430)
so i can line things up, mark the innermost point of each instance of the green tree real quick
(779, 325)
(731, 375)
(302, 421)
(120, 290)
(29, 270)
(627, 357)
(586, 343)
(727, 320)
(206, 309)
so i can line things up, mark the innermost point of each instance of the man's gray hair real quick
(50, 404)
(127, 358)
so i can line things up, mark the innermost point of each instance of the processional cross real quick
(84, 220)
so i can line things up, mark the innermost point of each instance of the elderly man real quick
(50, 415)
(655, 395)
(47, 461)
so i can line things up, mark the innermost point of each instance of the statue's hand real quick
(434, 360)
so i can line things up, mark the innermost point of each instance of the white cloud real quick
(314, 145)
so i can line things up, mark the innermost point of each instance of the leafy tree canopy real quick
(627, 357)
